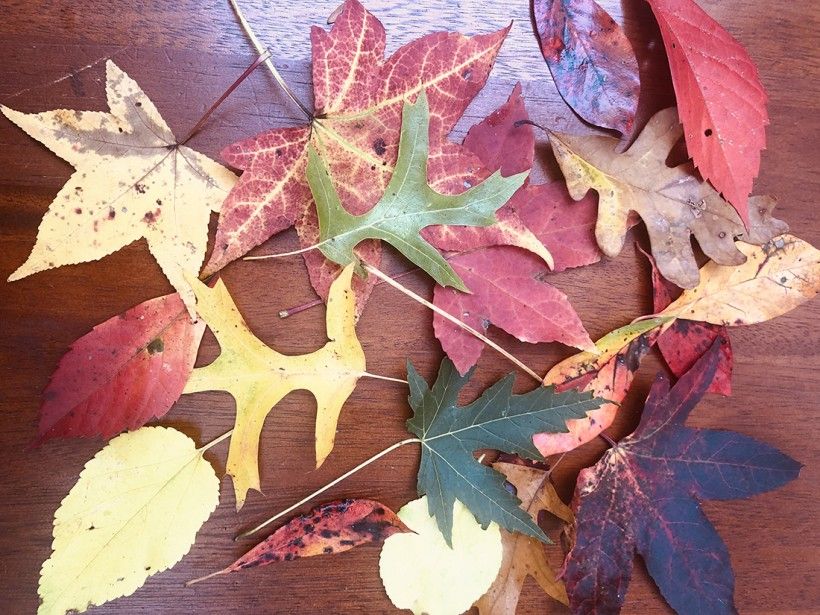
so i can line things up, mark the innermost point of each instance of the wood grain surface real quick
(184, 53)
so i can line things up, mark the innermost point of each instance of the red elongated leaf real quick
(509, 292)
(330, 528)
(643, 496)
(685, 341)
(591, 60)
(123, 373)
(721, 101)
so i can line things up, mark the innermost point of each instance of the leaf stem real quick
(332, 483)
(609, 440)
(263, 257)
(379, 377)
(225, 95)
(260, 48)
(216, 441)
(383, 276)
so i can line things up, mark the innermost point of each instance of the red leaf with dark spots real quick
(643, 496)
(686, 341)
(591, 60)
(329, 528)
(123, 373)
(721, 102)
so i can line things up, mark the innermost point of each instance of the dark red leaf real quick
(643, 496)
(591, 60)
(123, 373)
(721, 102)
(686, 341)
(329, 528)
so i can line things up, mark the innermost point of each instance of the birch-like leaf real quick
(133, 180)
(258, 377)
(134, 512)
(408, 205)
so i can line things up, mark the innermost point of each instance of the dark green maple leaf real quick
(408, 205)
(498, 420)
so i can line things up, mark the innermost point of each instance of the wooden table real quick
(184, 53)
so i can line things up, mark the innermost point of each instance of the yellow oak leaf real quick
(132, 180)
(422, 573)
(672, 201)
(523, 555)
(134, 512)
(776, 278)
(258, 377)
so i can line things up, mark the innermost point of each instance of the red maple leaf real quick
(721, 102)
(643, 496)
(591, 61)
(358, 97)
(123, 373)
(507, 283)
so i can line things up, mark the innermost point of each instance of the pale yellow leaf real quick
(132, 180)
(672, 201)
(421, 573)
(524, 556)
(776, 278)
(258, 377)
(134, 512)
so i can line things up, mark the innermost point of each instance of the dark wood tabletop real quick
(184, 54)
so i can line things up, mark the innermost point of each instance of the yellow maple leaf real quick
(523, 555)
(258, 377)
(422, 573)
(132, 180)
(134, 512)
(776, 278)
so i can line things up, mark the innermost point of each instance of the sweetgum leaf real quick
(643, 496)
(498, 420)
(408, 205)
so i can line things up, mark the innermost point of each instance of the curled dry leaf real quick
(330, 528)
(123, 373)
(408, 205)
(592, 62)
(133, 180)
(524, 556)
(497, 420)
(127, 519)
(672, 202)
(776, 278)
(258, 377)
(722, 101)
(606, 373)
(684, 341)
(643, 496)
(429, 575)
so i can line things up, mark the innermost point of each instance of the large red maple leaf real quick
(358, 98)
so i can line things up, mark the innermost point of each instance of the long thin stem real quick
(216, 441)
(225, 95)
(383, 276)
(331, 484)
(263, 257)
(260, 48)
(388, 378)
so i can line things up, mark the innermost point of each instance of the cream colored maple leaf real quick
(258, 377)
(132, 180)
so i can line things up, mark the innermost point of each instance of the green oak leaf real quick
(408, 205)
(498, 420)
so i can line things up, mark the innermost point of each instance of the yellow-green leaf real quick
(258, 377)
(421, 573)
(134, 512)
(776, 278)
(133, 180)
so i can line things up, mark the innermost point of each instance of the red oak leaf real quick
(721, 101)
(123, 373)
(508, 289)
(591, 60)
(329, 528)
(643, 496)
(359, 97)
(685, 341)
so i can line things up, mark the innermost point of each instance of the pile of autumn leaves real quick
(375, 165)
